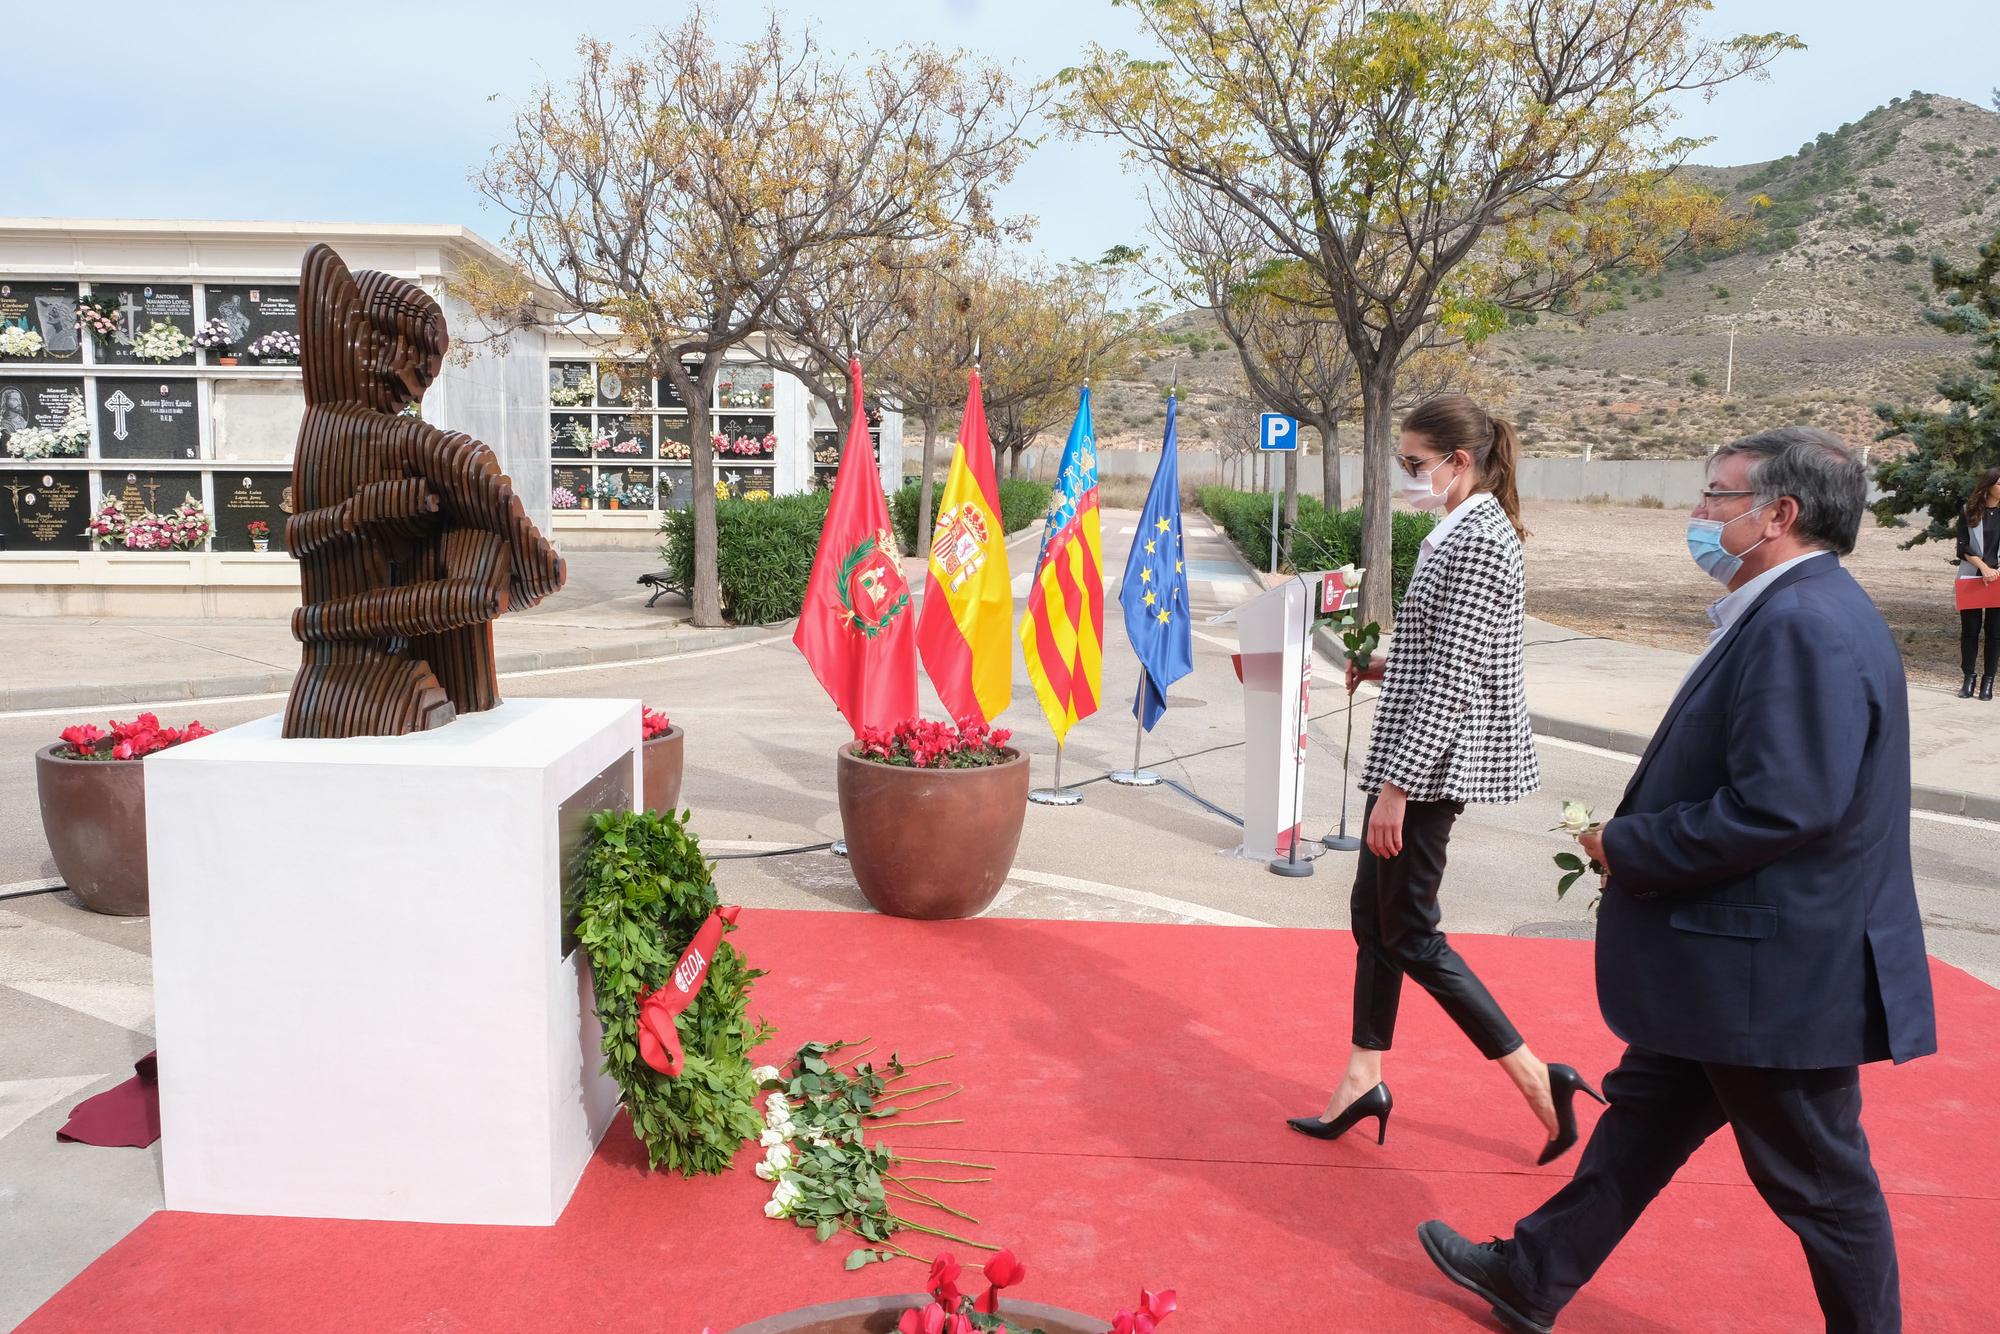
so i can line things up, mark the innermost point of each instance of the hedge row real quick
(764, 548)
(1021, 503)
(1322, 540)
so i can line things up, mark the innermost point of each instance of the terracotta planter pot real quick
(660, 760)
(931, 843)
(94, 816)
(878, 1315)
(225, 361)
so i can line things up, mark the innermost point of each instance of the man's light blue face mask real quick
(1704, 539)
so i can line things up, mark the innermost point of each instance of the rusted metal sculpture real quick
(410, 540)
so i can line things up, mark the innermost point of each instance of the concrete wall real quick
(499, 396)
(1673, 482)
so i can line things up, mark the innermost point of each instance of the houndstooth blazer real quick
(1452, 722)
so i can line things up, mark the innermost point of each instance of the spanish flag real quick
(1062, 632)
(962, 631)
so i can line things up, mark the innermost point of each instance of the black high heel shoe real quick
(1564, 1083)
(1376, 1102)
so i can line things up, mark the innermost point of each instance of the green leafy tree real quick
(1435, 164)
(1954, 445)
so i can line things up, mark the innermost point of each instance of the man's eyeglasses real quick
(1709, 497)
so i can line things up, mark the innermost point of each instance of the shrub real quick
(764, 553)
(1905, 254)
(1322, 540)
(1699, 379)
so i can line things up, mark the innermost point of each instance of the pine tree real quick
(1954, 446)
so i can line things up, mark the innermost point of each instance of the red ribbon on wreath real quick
(659, 1041)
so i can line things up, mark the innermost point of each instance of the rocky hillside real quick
(1824, 300)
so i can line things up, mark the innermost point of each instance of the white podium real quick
(363, 1002)
(1273, 631)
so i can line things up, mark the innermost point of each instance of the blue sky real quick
(377, 112)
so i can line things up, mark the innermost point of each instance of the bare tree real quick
(678, 191)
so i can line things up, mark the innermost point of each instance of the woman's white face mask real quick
(1421, 490)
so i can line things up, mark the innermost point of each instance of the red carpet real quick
(1131, 1082)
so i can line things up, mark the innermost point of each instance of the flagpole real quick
(1058, 795)
(1135, 776)
(1289, 864)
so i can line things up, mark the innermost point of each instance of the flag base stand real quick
(1341, 842)
(1057, 795)
(1134, 778)
(839, 848)
(1287, 866)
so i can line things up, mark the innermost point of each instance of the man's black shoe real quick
(1483, 1269)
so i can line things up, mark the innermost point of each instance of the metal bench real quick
(661, 584)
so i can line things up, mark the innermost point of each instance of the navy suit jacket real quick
(1761, 909)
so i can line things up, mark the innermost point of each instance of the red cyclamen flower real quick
(930, 1320)
(1002, 1271)
(944, 1280)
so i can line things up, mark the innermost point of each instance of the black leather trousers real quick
(1395, 915)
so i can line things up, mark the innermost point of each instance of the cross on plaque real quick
(14, 490)
(152, 494)
(119, 405)
(130, 309)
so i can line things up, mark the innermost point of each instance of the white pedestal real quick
(1272, 630)
(362, 1008)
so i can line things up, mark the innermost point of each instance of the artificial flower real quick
(763, 1074)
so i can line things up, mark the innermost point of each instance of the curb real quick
(17, 698)
(1936, 800)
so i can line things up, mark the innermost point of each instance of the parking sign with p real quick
(1277, 433)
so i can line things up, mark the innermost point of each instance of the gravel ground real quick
(1623, 573)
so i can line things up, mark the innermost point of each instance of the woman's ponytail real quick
(1499, 470)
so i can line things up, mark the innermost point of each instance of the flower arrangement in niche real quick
(639, 495)
(607, 489)
(743, 446)
(135, 740)
(107, 525)
(562, 498)
(214, 336)
(98, 316)
(755, 496)
(161, 342)
(922, 744)
(564, 394)
(19, 341)
(278, 345)
(575, 435)
(185, 528)
(676, 449)
(629, 447)
(65, 441)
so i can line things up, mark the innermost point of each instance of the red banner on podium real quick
(1975, 593)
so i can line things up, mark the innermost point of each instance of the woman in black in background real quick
(1979, 558)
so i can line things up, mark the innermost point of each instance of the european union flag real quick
(1155, 592)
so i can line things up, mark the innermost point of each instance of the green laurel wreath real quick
(869, 629)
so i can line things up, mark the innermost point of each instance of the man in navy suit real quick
(1759, 937)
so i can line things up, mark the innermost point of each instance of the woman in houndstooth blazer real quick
(1451, 727)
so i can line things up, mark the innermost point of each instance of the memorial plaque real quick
(139, 306)
(142, 490)
(570, 384)
(251, 311)
(48, 309)
(43, 510)
(742, 386)
(33, 400)
(742, 481)
(624, 384)
(574, 480)
(244, 497)
(625, 433)
(670, 397)
(147, 419)
(738, 426)
(674, 488)
(565, 442)
(611, 790)
(676, 436)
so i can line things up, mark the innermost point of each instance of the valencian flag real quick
(1062, 632)
(856, 629)
(968, 610)
(1155, 593)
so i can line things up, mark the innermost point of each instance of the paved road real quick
(75, 988)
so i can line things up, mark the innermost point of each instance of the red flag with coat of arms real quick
(857, 629)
